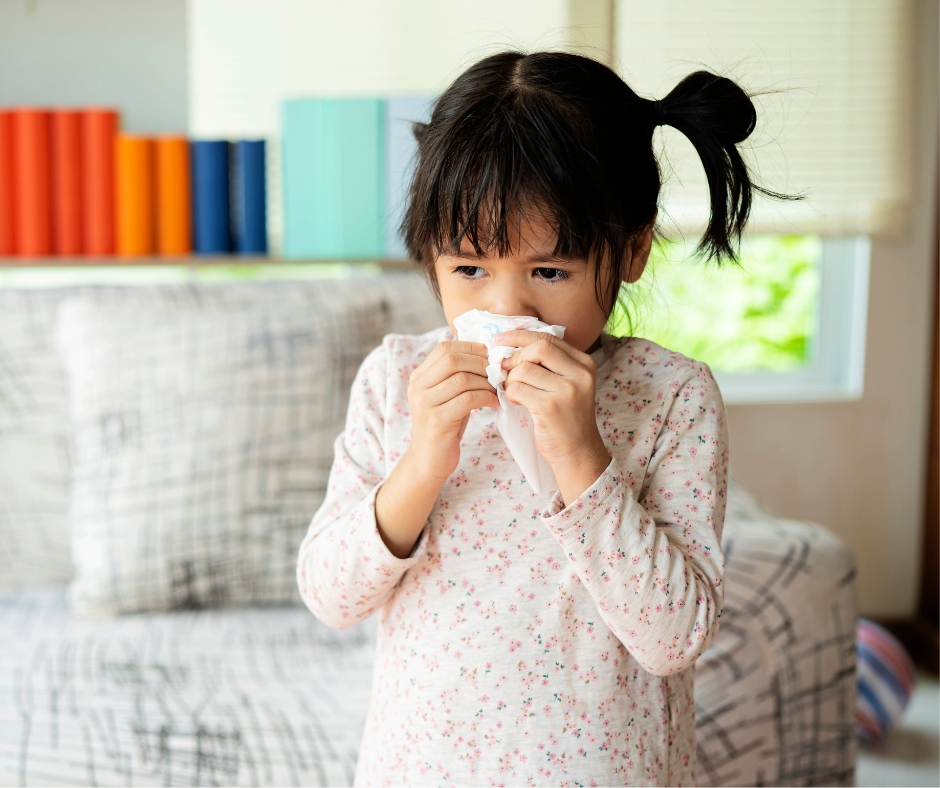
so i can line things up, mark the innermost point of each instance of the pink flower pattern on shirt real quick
(525, 641)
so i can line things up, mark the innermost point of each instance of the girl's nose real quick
(510, 302)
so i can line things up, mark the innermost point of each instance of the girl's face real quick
(529, 281)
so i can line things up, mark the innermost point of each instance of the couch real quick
(107, 680)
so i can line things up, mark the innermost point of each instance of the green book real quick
(333, 160)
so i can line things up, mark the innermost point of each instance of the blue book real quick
(333, 158)
(210, 193)
(400, 150)
(249, 219)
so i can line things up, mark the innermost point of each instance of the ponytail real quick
(715, 115)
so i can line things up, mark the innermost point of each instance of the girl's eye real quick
(551, 274)
(469, 271)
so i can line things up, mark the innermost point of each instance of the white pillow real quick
(35, 438)
(203, 442)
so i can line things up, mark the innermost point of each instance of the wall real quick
(246, 57)
(129, 53)
(859, 467)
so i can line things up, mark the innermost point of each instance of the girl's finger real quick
(458, 346)
(443, 348)
(528, 396)
(552, 353)
(449, 363)
(458, 407)
(447, 389)
(536, 376)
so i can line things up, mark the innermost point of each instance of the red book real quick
(32, 182)
(99, 130)
(67, 182)
(7, 223)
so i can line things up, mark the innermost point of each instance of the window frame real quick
(836, 369)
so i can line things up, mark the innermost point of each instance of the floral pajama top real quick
(526, 642)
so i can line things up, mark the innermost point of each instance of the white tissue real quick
(514, 422)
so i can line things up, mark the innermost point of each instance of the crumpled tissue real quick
(513, 421)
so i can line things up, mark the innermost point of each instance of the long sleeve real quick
(655, 567)
(344, 569)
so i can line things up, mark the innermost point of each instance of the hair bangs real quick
(511, 173)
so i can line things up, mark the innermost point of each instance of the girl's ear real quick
(641, 253)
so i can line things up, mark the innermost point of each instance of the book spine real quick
(67, 182)
(7, 200)
(32, 182)
(250, 222)
(99, 130)
(361, 150)
(302, 135)
(174, 204)
(401, 149)
(333, 161)
(211, 210)
(134, 195)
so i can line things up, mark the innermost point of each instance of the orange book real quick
(7, 202)
(134, 193)
(174, 229)
(32, 182)
(99, 128)
(67, 182)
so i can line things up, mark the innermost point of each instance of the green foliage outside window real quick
(759, 316)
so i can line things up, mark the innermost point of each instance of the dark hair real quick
(562, 134)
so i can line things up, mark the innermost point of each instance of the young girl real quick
(537, 638)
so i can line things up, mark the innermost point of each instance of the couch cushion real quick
(203, 439)
(35, 441)
(775, 692)
(219, 697)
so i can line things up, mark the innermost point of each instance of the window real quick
(787, 325)
(831, 83)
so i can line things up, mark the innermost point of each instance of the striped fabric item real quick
(886, 680)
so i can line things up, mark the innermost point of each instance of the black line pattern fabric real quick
(232, 698)
(35, 438)
(273, 697)
(203, 441)
(775, 693)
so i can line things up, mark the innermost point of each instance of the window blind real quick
(835, 119)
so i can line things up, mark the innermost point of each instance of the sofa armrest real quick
(775, 693)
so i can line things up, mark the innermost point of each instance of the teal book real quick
(333, 159)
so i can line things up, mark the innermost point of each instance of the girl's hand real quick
(556, 383)
(449, 384)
